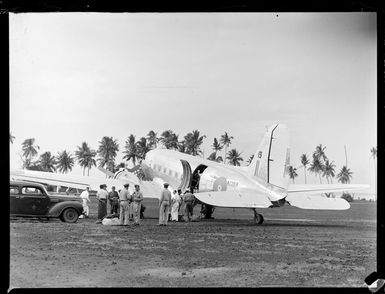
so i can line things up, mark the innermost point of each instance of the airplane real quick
(262, 184)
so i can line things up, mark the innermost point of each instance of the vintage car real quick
(32, 200)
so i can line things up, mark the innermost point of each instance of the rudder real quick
(272, 158)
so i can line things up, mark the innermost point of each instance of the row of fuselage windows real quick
(166, 171)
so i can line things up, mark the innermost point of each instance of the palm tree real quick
(319, 153)
(292, 172)
(29, 150)
(250, 159)
(213, 157)
(316, 167)
(64, 162)
(193, 141)
(169, 139)
(329, 171)
(182, 146)
(11, 138)
(374, 156)
(319, 158)
(226, 141)
(152, 139)
(85, 156)
(107, 151)
(47, 162)
(344, 175)
(216, 145)
(131, 149)
(234, 157)
(142, 147)
(305, 161)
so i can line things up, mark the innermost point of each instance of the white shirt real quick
(175, 198)
(85, 196)
(102, 194)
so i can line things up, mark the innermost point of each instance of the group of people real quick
(170, 205)
(123, 204)
(128, 207)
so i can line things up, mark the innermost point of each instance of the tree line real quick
(135, 150)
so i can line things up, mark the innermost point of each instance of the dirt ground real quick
(293, 248)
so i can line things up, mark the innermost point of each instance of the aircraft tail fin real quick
(106, 172)
(272, 158)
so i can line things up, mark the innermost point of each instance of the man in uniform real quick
(164, 205)
(102, 195)
(188, 199)
(113, 198)
(137, 198)
(124, 196)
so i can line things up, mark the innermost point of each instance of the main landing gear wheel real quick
(258, 218)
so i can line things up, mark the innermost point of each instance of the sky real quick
(77, 77)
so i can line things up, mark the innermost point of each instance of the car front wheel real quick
(69, 215)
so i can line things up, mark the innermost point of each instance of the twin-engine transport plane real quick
(264, 183)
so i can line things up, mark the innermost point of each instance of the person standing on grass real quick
(124, 196)
(102, 195)
(175, 206)
(188, 199)
(85, 196)
(137, 198)
(164, 205)
(113, 198)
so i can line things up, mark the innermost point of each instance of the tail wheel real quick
(69, 215)
(259, 219)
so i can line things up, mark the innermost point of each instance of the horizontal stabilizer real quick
(234, 199)
(317, 202)
(319, 189)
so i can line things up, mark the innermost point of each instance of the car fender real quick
(58, 208)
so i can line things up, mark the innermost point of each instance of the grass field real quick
(292, 248)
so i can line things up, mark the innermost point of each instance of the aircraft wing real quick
(317, 202)
(319, 189)
(149, 189)
(244, 199)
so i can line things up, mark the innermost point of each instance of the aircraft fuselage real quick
(179, 170)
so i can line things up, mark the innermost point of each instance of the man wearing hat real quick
(102, 195)
(188, 199)
(137, 198)
(124, 197)
(113, 198)
(164, 205)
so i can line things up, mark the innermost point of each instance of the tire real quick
(259, 219)
(69, 215)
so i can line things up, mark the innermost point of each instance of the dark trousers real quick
(102, 208)
(114, 204)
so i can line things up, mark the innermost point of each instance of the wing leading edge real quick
(319, 189)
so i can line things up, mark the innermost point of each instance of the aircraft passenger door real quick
(186, 178)
(197, 176)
